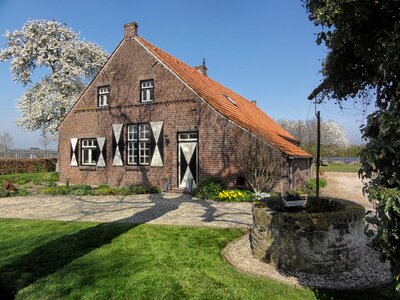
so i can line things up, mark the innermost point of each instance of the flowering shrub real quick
(261, 196)
(235, 196)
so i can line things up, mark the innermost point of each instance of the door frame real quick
(178, 142)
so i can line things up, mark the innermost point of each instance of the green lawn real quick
(65, 260)
(332, 167)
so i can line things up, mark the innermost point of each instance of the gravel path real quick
(345, 185)
(171, 209)
(370, 274)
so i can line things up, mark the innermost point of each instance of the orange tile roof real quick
(244, 113)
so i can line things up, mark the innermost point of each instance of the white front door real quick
(187, 159)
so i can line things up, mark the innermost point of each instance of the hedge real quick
(27, 165)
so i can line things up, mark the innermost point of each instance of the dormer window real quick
(147, 91)
(103, 96)
(230, 100)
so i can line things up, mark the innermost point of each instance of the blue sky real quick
(264, 50)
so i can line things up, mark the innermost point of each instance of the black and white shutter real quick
(74, 152)
(101, 151)
(157, 144)
(118, 145)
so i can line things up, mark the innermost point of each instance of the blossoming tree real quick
(333, 136)
(68, 62)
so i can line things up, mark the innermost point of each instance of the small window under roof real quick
(230, 100)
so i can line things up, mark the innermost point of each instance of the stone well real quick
(330, 239)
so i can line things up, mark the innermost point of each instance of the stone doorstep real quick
(177, 191)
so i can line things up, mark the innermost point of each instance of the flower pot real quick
(294, 203)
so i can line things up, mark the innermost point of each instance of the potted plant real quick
(294, 198)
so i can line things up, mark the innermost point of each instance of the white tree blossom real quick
(333, 136)
(70, 63)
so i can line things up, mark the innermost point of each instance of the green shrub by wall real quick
(312, 183)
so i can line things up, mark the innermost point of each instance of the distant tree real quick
(45, 140)
(333, 136)
(70, 63)
(258, 163)
(363, 64)
(304, 131)
(6, 143)
(297, 128)
(333, 139)
(351, 151)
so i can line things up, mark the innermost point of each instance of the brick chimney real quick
(130, 29)
(202, 68)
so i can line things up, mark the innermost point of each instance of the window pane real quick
(132, 132)
(103, 100)
(144, 95)
(103, 90)
(151, 94)
(93, 156)
(144, 153)
(132, 153)
(85, 154)
(144, 133)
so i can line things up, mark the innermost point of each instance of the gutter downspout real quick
(290, 173)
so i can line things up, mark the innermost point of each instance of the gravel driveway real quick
(171, 209)
(345, 186)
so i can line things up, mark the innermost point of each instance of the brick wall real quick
(219, 144)
(176, 105)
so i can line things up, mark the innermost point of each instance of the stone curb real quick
(238, 254)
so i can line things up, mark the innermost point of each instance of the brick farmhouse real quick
(147, 118)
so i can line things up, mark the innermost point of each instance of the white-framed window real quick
(138, 144)
(88, 152)
(190, 136)
(147, 91)
(103, 96)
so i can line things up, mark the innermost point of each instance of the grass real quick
(25, 178)
(64, 260)
(339, 168)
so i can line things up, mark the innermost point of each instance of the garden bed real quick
(47, 184)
